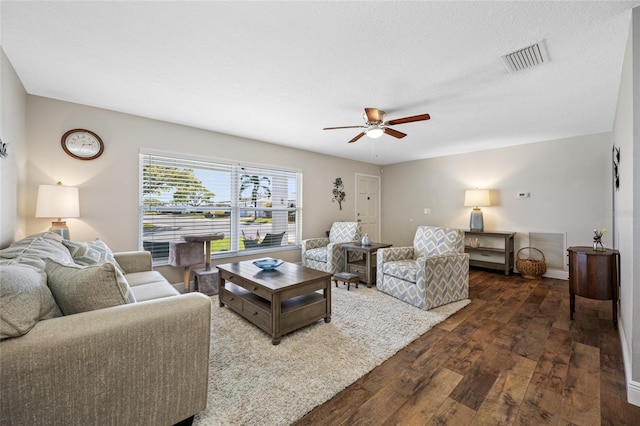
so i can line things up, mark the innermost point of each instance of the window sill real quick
(241, 253)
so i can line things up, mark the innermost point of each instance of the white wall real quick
(635, 253)
(626, 130)
(109, 184)
(568, 181)
(13, 168)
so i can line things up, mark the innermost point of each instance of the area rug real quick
(252, 382)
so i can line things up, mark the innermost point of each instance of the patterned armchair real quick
(326, 254)
(434, 272)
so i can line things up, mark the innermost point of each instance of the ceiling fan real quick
(375, 125)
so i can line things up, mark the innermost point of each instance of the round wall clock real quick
(82, 144)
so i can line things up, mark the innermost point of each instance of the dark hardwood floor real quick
(512, 356)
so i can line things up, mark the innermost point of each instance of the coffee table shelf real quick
(279, 301)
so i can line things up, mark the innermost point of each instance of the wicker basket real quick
(531, 268)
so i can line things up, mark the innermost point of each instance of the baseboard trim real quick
(557, 274)
(633, 393)
(633, 387)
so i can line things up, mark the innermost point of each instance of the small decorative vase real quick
(598, 246)
(366, 241)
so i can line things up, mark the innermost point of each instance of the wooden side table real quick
(595, 275)
(365, 268)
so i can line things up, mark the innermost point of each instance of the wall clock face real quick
(82, 144)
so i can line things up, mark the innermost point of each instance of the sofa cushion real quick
(90, 253)
(146, 277)
(25, 299)
(317, 254)
(406, 270)
(149, 285)
(154, 290)
(86, 288)
(34, 249)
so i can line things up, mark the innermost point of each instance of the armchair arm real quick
(134, 261)
(335, 256)
(389, 254)
(446, 276)
(455, 259)
(143, 363)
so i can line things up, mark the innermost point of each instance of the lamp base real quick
(60, 228)
(476, 223)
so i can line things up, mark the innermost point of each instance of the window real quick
(253, 207)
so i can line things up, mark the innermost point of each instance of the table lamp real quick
(476, 198)
(58, 201)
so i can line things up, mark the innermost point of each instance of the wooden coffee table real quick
(278, 301)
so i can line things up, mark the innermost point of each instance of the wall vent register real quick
(527, 57)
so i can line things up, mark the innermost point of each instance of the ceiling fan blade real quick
(374, 115)
(394, 133)
(357, 137)
(411, 119)
(344, 127)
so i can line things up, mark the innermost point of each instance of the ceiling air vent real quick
(527, 57)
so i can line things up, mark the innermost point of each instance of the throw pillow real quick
(25, 299)
(34, 249)
(87, 288)
(90, 253)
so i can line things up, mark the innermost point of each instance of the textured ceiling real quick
(281, 71)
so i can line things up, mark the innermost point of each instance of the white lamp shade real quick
(476, 198)
(57, 201)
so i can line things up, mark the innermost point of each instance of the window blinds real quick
(184, 196)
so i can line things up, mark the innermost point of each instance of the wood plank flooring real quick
(512, 356)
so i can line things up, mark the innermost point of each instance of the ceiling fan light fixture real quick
(374, 132)
(375, 125)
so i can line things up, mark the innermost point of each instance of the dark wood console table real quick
(495, 250)
(594, 275)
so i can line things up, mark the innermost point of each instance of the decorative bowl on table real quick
(268, 263)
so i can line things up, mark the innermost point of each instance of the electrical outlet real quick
(427, 210)
(522, 194)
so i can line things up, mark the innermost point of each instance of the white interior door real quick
(368, 205)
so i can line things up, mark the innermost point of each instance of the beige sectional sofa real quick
(90, 337)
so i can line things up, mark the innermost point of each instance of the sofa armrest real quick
(143, 363)
(134, 261)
